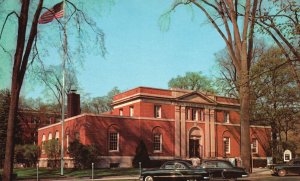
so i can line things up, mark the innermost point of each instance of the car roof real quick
(214, 160)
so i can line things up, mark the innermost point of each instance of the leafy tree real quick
(27, 154)
(192, 81)
(275, 97)
(237, 32)
(52, 149)
(83, 155)
(31, 154)
(141, 155)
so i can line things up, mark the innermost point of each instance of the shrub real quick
(83, 155)
(141, 155)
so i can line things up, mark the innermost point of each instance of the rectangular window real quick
(68, 143)
(254, 146)
(226, 145)
(121, 112)
(187, 112)
(131, 111)
(157, 141)
(113, 141)
(226, 117)
(194, 114)
(157, 111)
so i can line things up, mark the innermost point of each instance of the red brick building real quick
(172, 123)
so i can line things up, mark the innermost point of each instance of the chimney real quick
(73, 104)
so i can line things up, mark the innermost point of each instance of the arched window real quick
(43, 143)
(50, 136)
(56, 135)
(68, 142)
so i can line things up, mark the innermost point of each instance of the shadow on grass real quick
(31, 173)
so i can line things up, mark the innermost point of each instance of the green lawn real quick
(30, 173)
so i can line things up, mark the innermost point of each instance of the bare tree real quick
(280, 20)
(50, 77)
(26, 51)
(237, 31)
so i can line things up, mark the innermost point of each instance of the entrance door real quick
(194, 147)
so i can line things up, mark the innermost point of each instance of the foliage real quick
(275, 98)
(141, 155)
(99, 104)
(83, 155)
(27, 154)
(192, 81)
(52, 149)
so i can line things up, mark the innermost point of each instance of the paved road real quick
(272, 178)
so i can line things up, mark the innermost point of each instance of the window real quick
(56, 135)
(201, 115)
(226, 145)
(194, 114)
(254, 146)
(68, 142)
(187, 113)
(121, 112)
(157, 111)
(131, 111)
(157, 140)
(43, 143)
(50, 136)
(113, 141)
(226, 117)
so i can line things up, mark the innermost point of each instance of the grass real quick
(30, 173)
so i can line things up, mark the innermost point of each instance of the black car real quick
(174, 170)
(292, 167)
(223, 169)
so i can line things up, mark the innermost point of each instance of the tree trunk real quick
(245, 114)
(9, 149)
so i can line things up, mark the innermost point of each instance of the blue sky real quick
(140, 54)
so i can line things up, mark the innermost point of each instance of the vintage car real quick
(223, 169)
(174, 170)
(291, 167)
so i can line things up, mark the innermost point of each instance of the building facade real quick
(173, 124)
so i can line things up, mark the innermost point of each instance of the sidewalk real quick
(260, 171)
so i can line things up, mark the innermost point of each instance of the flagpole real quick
(63, 90)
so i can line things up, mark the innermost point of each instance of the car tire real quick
(281, 172)
(148, 178)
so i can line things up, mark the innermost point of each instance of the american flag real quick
(54, 13)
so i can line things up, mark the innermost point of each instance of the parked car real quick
(223, 169)
(174, 170)
(291, 167)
